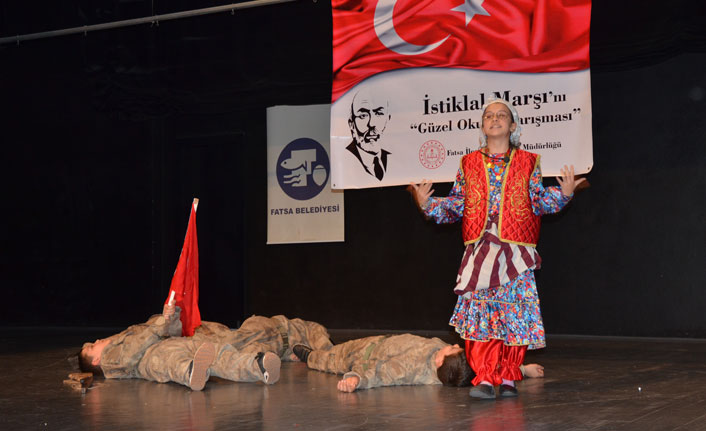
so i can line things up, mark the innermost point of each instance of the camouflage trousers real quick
(170, 361)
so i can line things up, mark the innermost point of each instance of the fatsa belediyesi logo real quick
(303, 169)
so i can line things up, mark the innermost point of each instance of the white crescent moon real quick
(385, 30)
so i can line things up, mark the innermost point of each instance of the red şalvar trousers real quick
(493, 361)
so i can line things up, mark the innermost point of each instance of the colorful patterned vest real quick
(517, 223)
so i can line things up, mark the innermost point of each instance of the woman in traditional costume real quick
(499, 198)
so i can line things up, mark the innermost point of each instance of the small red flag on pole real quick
(184, 290)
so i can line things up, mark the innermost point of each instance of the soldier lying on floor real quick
(389, 360)
(155, 351)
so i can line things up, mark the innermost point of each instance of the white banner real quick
(301, 207)
(420, 122)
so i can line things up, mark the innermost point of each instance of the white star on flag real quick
(471, 8)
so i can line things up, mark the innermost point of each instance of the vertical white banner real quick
(301, 207)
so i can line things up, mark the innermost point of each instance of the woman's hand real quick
(567, 180)
(421, 193)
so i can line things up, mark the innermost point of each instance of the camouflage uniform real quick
(155, 351)
(276, 334)
(383, 360)
(122, 355)
(170, 361)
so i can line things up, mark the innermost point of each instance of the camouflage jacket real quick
(389, 360)
(120, 358)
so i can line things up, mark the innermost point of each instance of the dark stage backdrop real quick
(107, 137)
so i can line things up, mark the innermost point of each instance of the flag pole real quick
(171, 298)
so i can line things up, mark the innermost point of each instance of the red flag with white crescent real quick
(184, 288)
(374, 36)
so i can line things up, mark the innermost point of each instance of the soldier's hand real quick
(168, 311)
(534, 370)
(348, 384)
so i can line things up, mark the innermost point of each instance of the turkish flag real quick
(185, 282)
(374, 36)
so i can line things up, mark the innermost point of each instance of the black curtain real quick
(109, 136)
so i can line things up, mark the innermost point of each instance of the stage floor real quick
(591, 383)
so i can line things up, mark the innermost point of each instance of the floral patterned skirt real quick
(509, 312)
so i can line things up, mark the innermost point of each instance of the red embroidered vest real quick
(517, 223)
